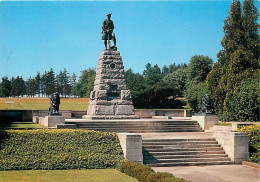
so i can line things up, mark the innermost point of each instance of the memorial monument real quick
(110, 98)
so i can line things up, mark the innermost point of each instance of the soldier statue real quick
(205, 103)
(107, 32)
(55, 104)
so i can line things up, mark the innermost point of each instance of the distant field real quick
(39, 103)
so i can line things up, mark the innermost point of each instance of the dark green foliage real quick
(18, 86)
(238, 61)
(145, 173)
(245, 102)
(177, 81)
(58, 149)
(86, 83)
(5, 87)
(194, 92)
(153, 89)
(253, 132)
(199, 67)
(196, 72)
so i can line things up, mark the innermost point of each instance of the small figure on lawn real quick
(107, 32)
(55, 104)
(205, 103)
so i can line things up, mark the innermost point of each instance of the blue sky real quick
(37, 36)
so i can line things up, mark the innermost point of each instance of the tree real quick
(239, 59)
(196, 73)
(38, 84)
(199, 67)
(5, 87)
(251, 27)
(30, 84)
(17, 86)
(177, 81)
(152, 75)
(86, 83)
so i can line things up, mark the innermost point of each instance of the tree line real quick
(40, 85)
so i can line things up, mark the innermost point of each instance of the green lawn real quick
(91, 175)
(38, 103)
(16, 125)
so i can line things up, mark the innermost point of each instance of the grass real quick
(43, 103)
(19, 125)
(224, 124)
(91, 175)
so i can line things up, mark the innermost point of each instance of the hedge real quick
(58, 149)
(145, 173)
(253, 132)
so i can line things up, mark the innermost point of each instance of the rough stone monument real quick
(110, 98)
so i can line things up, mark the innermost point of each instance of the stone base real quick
(132, 146)
(110, 117)
(51, 121)
(205, 120)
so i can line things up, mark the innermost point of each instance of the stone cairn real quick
(110, 99)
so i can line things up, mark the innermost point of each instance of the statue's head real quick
(109, 15)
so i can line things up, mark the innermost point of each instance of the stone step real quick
(136, 125)
(179, 143)
(144, 131)
(186, 160)
(140, 128)
(190, 163)
(149, 156)
(179, 140)
(163, 153)
(186, 149)
(184, 145)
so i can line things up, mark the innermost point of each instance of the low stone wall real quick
(42, 113)
(16, 115)
(235, 144)
(206, 120)
(149, 113)
(132, 146)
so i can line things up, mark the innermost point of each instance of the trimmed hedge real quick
(58, 149)
(146, 174)
(253, 132)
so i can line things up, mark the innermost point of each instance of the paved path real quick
(218, 173)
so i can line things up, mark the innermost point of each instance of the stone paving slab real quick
(217, 173)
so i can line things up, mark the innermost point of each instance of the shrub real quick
(145, 173)
(253, 132)
(58, 149)
(245, 102)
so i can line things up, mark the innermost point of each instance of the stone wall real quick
(235, 144)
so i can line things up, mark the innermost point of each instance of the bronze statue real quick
(205, 103)
(107, 32)
(55, 104)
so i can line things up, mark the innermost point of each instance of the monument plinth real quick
(110, 99)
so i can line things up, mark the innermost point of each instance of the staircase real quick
(183, 152)
(140, 126)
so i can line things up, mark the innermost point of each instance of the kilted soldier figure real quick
(107, 32)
